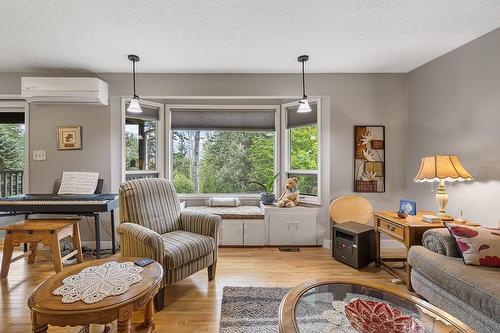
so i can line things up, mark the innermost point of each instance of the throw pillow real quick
(223, 202)
(479, 246)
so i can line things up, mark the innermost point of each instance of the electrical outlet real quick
(39, 155)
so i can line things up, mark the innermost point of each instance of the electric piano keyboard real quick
(66, 204)
(59, 203)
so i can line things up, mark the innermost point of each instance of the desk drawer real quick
(391, 229)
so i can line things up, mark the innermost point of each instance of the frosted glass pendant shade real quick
(304, 106)
(134, 106)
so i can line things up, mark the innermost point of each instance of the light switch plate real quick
(39, 155)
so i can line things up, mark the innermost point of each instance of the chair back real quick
(151, 203)
(351, 208)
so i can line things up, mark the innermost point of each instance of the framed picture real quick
(369, 158)
(408, 206)
(69, 137)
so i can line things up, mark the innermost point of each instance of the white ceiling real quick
(237, 35)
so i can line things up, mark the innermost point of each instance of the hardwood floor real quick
(193, 305)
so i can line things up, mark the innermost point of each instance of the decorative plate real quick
(94, 283)
(376, 317)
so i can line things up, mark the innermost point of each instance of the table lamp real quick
(441, 168)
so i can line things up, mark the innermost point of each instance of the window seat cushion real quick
(237, 213)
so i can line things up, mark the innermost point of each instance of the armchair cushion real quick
(200, 223)
(150, 202)
(138, 241)
(182, 247)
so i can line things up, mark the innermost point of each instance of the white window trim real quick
(169, 143)
(20, 106)
(160, 140)
(314, 200)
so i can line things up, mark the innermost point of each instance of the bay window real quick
(222, 149)
(301, 153)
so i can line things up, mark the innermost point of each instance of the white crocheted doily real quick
(94, 283)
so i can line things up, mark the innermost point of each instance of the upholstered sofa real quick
(469, 293)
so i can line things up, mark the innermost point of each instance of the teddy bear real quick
(290, 198)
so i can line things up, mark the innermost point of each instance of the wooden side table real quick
(47, 309)
(46, 231)
(407, 231)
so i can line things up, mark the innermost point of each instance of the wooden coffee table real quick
(314, 301)
(47, 309)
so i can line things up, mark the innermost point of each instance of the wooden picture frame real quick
(369, 159)
(69, 137)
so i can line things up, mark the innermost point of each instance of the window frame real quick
(160, 140)
(308, 199)
(15, 105)
(209, 107)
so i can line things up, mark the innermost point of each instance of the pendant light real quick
(303, 103)
(134, 106)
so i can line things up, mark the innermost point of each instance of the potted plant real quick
(267, 195)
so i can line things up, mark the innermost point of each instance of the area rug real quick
(250, 309)
(255, 310)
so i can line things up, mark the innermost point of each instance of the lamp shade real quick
(304, 106)
(442, 167)
(134, 106)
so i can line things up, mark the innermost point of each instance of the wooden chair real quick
(351, 208)
(48, 232)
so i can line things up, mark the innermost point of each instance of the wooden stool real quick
(48, 232)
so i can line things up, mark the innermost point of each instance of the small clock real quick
(408, 206)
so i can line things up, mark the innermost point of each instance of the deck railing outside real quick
(11, 182)
(138, 174)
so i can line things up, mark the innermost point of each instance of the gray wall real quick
(349, 99)
(454, 105)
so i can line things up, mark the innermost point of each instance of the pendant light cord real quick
(133, 74)
(303, 82)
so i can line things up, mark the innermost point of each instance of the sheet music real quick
(78, 183)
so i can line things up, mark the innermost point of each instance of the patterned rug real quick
(250, 309)
(255, 310)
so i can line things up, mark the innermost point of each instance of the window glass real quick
(304, 148)
(219, 161)
(140, 144)
(308, 184)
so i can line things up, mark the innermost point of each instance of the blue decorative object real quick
(408, 206)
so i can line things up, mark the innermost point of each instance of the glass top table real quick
(330, 306)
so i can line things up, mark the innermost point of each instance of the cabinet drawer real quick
(391, 229)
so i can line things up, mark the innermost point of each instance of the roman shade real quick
(300, 119)
(11, 117)
(148, 113)
(226, 119)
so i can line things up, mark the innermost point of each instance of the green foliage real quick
(240, 162)
(11, 147)
(131, 151)
(304, 148)
(183, 184)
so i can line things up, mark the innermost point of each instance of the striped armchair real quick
(152, 225)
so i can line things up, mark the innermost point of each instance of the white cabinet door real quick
(231, 233)
(280, 229)
(304, 229)
(254, 233)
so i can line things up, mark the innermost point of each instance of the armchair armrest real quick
(139, 241)
(201, 223)
(440, 241)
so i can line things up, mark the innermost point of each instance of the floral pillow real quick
(479, 246)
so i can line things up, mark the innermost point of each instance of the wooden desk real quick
(407, 231)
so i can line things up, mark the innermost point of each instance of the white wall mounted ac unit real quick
(60, 90)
